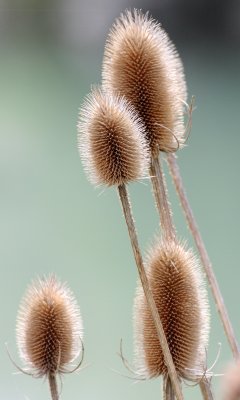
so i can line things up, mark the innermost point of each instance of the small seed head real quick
(111, 140)
(180, 297)
(49, 327)
(141, 63)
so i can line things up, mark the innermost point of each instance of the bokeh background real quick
(52, 219)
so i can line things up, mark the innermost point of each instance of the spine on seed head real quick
(111, 140)
(142, 64)
(49, 327)
(180, 296)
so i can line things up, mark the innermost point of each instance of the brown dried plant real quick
(111, 140)
(142, 64)
(180, 295)
(49, 330)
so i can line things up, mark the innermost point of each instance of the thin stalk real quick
(162, 204)
(221, 308)
(53, 386)
(123, 194)
(206, 390)
(168, 392)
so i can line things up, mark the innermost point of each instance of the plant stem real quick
(205, 387)
(177, 179)
(149, 296)
(168, 393)
(53, 386)
(162, 203)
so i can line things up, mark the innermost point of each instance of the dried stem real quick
(53, 386)
(206, 390)
(149, 297)
(162, 204)
(177, 179)
(168, 392)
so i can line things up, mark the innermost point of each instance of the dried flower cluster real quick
(142, 64)
(49, 327)
(180, 297)
(111, 140)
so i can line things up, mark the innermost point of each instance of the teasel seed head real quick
(180, 297)
(141, 63)
(49, 327)
(111, 140)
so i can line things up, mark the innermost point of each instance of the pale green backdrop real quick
(52, 219)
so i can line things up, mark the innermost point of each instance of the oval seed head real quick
(180, 297)
(111, 140)
(49, 327)
(141, 63)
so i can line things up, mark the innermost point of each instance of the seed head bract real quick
(180, 297)
(49, 327)
(141, 63)
(111, 140)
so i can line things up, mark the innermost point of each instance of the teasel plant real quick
(114, 152)
(131, 67)
(179, 292)
(142, 64)
(49, 332)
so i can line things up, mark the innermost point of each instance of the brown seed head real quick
(111, 140)
(49, 327)
(141, 63)
(180, 297)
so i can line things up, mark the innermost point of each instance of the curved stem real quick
(149, 296)
(162, 203)
(177, 179)
(53, 386)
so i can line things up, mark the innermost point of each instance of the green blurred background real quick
(52, 219)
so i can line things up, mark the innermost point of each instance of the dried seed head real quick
(49, 327)
(180, 297)
(141, 63)
(231, 382)
(111, 140)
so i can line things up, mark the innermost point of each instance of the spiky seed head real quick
(180, 297)
(49, 327)
(141, 63)
(111, 140)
